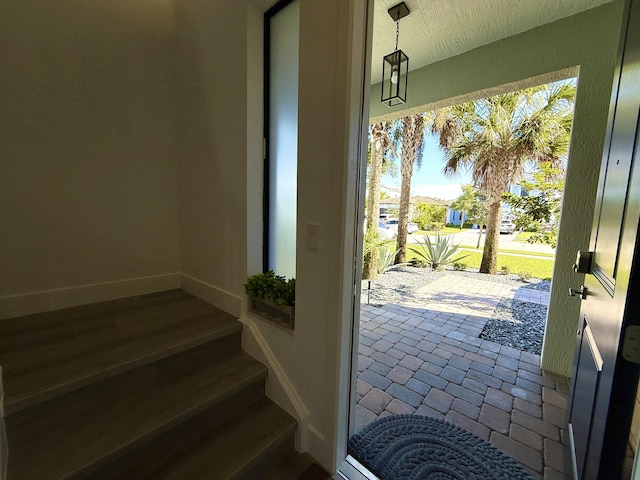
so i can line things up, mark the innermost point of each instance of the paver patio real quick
(425, 357)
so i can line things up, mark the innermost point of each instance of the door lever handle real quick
(582, 292)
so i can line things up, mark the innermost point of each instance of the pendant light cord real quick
(397, 33)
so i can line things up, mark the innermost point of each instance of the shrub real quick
(550, 238)
(459, 266)
(436, 226)
(371, 241)
(269, 286)
(414, 262)
(524, 276)
(505, 269)
(438, 253)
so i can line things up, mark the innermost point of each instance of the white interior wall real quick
(88, 177)
(306, 377)
(211, 106)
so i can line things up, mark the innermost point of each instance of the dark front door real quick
(605, 370)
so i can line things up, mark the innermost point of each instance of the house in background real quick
(455, 216)
(132, 162)
(390, 206)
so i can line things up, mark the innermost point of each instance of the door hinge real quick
(631, 344)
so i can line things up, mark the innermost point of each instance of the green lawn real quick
(506, 250)
(535, 267)
(442, 231)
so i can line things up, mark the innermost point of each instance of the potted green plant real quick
(272, 297)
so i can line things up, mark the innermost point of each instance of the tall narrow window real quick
(282, 25)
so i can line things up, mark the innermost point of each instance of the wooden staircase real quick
(148, 387)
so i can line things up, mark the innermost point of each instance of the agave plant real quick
(437, 253)
(386, 259)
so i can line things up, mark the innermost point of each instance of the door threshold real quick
(352, 469)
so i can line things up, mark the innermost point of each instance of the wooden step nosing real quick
(273, 443)
(17, 403)
(142, 438)
(249, 449)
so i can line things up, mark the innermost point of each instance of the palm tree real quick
(496, 138)
(380, 143)
(412, 140)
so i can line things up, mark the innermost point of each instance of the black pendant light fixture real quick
(395, 66)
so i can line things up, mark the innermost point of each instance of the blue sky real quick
(429, 180)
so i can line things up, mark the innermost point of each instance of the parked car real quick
(411, 226)
(386, 232)
(507, 226)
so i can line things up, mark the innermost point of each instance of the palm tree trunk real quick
(412, 138)
(479, 235)
(370, 261)
(403, 215)
(490, 254)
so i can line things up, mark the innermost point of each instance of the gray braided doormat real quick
(415, 447)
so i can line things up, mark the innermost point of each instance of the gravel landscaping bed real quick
(514, 323)
(517, 324)
(398, 284)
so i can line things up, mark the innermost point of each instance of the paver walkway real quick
(425, 357)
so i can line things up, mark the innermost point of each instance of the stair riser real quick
(239, 448)
(155, 454)
(49, 354)
(180, 361)
(73, 343)
(175, 366)
(148, 387)
(44, 329)
(275, 455)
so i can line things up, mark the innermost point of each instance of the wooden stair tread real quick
(234, 447)
(49, 354)
(74, 434)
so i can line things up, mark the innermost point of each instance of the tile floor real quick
(425, 357)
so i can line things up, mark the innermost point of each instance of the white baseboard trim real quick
(307, 435)
(318, 447)
(56, 299)
(218, 297)
(278, 375)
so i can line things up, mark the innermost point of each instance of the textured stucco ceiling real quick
(439, 29)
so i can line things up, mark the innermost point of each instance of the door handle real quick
(582, 292)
